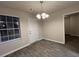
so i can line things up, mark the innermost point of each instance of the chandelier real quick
(42, 15)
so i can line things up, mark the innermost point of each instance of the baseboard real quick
(17, 49)
(73, 35)
(54, 41)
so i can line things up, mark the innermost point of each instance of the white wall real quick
(53, 28)
(10, 46)
(34, 29)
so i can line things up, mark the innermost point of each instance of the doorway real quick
(72, 30)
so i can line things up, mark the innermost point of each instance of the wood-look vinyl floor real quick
(45, 48)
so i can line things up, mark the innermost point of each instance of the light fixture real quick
(42, 15)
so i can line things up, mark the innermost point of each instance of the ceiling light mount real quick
(41, 2)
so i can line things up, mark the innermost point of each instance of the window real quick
(9, 28)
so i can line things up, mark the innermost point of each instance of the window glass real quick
(3, 32)
(9, 28)
(9, 19)
(5, 38)
(10, 25)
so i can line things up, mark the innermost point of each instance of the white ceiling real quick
(48, 6)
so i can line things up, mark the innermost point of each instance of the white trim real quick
(71, 13)
(10, 41)
(74, 35)
(54, 41)
(64, 28)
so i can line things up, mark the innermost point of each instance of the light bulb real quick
(38, 16)
(43, 17)
(43, 14)
(47, 15)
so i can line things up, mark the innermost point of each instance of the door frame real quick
(64, 21)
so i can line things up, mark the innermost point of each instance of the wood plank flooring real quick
(45, 48)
